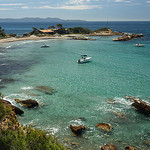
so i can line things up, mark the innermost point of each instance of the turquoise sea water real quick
(83, 90)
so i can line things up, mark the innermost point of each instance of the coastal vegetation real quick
(13, 136)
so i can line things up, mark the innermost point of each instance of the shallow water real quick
(83, 90)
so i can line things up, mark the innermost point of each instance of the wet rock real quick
(1, 87)
(131, 98)
(29, 103)
(109, 147)
(120, 115)
(147, 143)
(111, 101)
(77, 130)
(17, 110)
(141, 106)
(45, 89)
(105, 127)
(7, 80)
(129, 148)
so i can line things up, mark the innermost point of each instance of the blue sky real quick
(91, 10)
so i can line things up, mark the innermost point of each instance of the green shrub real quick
(4, 110)
(28, 139)
(79, 30)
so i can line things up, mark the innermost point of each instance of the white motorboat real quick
(139, 45)
(44, 46)
(84, 59)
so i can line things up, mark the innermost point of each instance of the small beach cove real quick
(87, 94)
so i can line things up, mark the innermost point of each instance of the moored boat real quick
(139, 45)
(84, 59)
(44, 46)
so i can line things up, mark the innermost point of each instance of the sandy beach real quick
(32, 37)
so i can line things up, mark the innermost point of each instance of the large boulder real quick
(29, 103)
(45, 89)
(77, 130)
(106, 127)
(141, 106)
(17, 110)
(109, 147)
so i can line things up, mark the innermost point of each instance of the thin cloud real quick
(17, 4)
(76, 2)
(5, 9)
(148, 1)
(73, 7)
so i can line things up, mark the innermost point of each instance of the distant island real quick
(76, 33)
(37, 19)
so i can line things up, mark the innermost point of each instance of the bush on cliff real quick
(24, 138)
(28, 139)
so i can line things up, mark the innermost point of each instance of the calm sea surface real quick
(83, 90)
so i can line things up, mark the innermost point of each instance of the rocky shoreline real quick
(11, 122)
(127, 37)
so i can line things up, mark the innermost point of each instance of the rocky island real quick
(128, 36)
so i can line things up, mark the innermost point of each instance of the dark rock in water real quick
(27, 103)
(105, 127)
(17, 110)
(129, 148)
(7, 80)
(46, 89)
(141, 107)
(1, 87)
(147, 143)
(109, 147)
(77, 130)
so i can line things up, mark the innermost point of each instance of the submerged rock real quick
(141, 106)
(147, 143)
(7, 80)
(45, 89)
(77, 130)
(109, 147)
(105, 127)
(129, 148)
(17, 110)
(27, 103)
(120, 115)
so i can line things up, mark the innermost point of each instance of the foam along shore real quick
(32, 37)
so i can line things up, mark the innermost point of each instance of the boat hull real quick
(84, 60)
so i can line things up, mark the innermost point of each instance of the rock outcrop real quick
(109, 147)
(129, 148)
(17, 110)
(45, 89)
(127, 37)
(77, 130)
(106, 127)
(120, 115)
(29, 103)
(141, 107)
